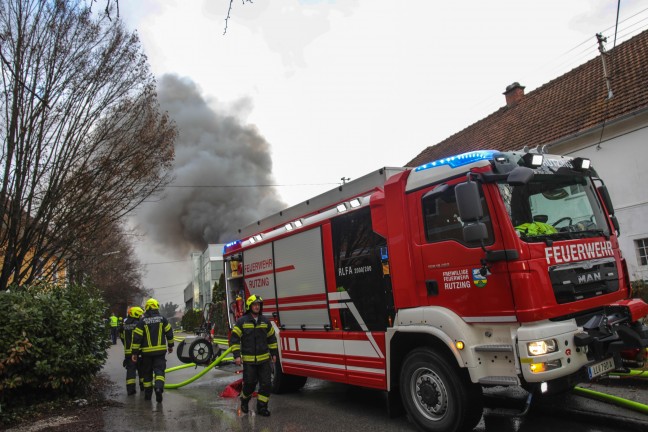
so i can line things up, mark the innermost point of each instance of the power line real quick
(170, 286)
(166, 262)
(250, 186)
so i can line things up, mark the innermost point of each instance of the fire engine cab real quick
(484, 269)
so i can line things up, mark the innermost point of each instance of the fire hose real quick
(625, 403)
(199, 374)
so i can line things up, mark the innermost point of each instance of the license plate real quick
(600, 368)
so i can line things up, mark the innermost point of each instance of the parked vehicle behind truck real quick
(483, 269)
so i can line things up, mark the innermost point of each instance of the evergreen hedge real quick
(53, 341)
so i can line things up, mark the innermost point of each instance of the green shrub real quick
(640, 289)
(191, 320)
(53, 341)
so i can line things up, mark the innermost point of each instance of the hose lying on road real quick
(634, 373)
(612, 399)
(199, 374)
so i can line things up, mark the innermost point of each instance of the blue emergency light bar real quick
(459, 160)
(231, 244)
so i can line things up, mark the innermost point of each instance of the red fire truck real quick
(483, 269)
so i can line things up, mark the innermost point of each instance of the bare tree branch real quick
(229, 10)
(101, 148)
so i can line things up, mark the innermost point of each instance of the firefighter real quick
(114, 328)
(254, 343)
(126, 335)
(152, 337)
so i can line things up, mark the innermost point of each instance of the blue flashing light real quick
(231, 244)
(459, 160)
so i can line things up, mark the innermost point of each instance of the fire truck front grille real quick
(577, 281)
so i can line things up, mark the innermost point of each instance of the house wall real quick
(621, 161)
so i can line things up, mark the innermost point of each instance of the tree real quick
(109, 263)
(168, 310)
(84, 141)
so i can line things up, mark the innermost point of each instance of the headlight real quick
(541, 347)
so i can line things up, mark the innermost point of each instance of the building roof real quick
(572, 103)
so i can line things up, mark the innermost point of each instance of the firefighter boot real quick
(244, 405)
(262, 409)
(148, 393)
(158, 395)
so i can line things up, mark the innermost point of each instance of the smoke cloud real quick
(216, 157)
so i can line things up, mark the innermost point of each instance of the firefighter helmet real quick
(152, 304)
(135, 312)
(253, 299)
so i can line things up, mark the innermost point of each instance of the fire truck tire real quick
(201, 351)
(437, 394)
(285, 383)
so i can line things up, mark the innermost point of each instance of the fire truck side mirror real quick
(470, 211)
(469, 202)
(605, 196)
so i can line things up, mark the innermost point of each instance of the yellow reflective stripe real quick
(263, 357)
(248, 358)
(159, 378)
(138, 331)
(263, 325)
(248, 325)
(167, 328)
(262, 398)
(271, 332)
(237, 330)
(148, 336)
(154, 348)
(130, 381)
(136, 346)
(235, 347)
(274, 345)
(127, 351)
(147, 384)
(159, 335)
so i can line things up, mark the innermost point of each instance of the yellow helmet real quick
(135, 312)
(253, 299)
(152, 304)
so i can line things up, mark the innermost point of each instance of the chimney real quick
(514, 93)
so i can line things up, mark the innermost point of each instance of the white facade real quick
(207, 268)
(620, 160)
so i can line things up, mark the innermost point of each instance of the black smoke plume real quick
(220, 168)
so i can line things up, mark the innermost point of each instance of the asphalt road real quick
(323, 406)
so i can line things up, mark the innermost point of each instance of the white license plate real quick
(600, 368)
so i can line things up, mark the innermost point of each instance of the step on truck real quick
(431, 283)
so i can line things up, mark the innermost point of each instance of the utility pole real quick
(345, 179)
(600, 39)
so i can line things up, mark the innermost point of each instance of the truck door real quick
(363, 296)
(452, 273)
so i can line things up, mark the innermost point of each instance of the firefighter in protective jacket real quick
(130, 323)
(151, 338)
(254, 342)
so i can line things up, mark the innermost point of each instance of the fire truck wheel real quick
(285, 383)
(200, 351)
(437, 394)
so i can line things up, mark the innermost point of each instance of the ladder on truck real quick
(344, 192)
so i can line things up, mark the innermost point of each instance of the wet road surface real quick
(320, 407)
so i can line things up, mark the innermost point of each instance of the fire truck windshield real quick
(556, 207)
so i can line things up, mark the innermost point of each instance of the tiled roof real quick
(571, 103)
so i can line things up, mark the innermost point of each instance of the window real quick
(441, 216)
(642, 251)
